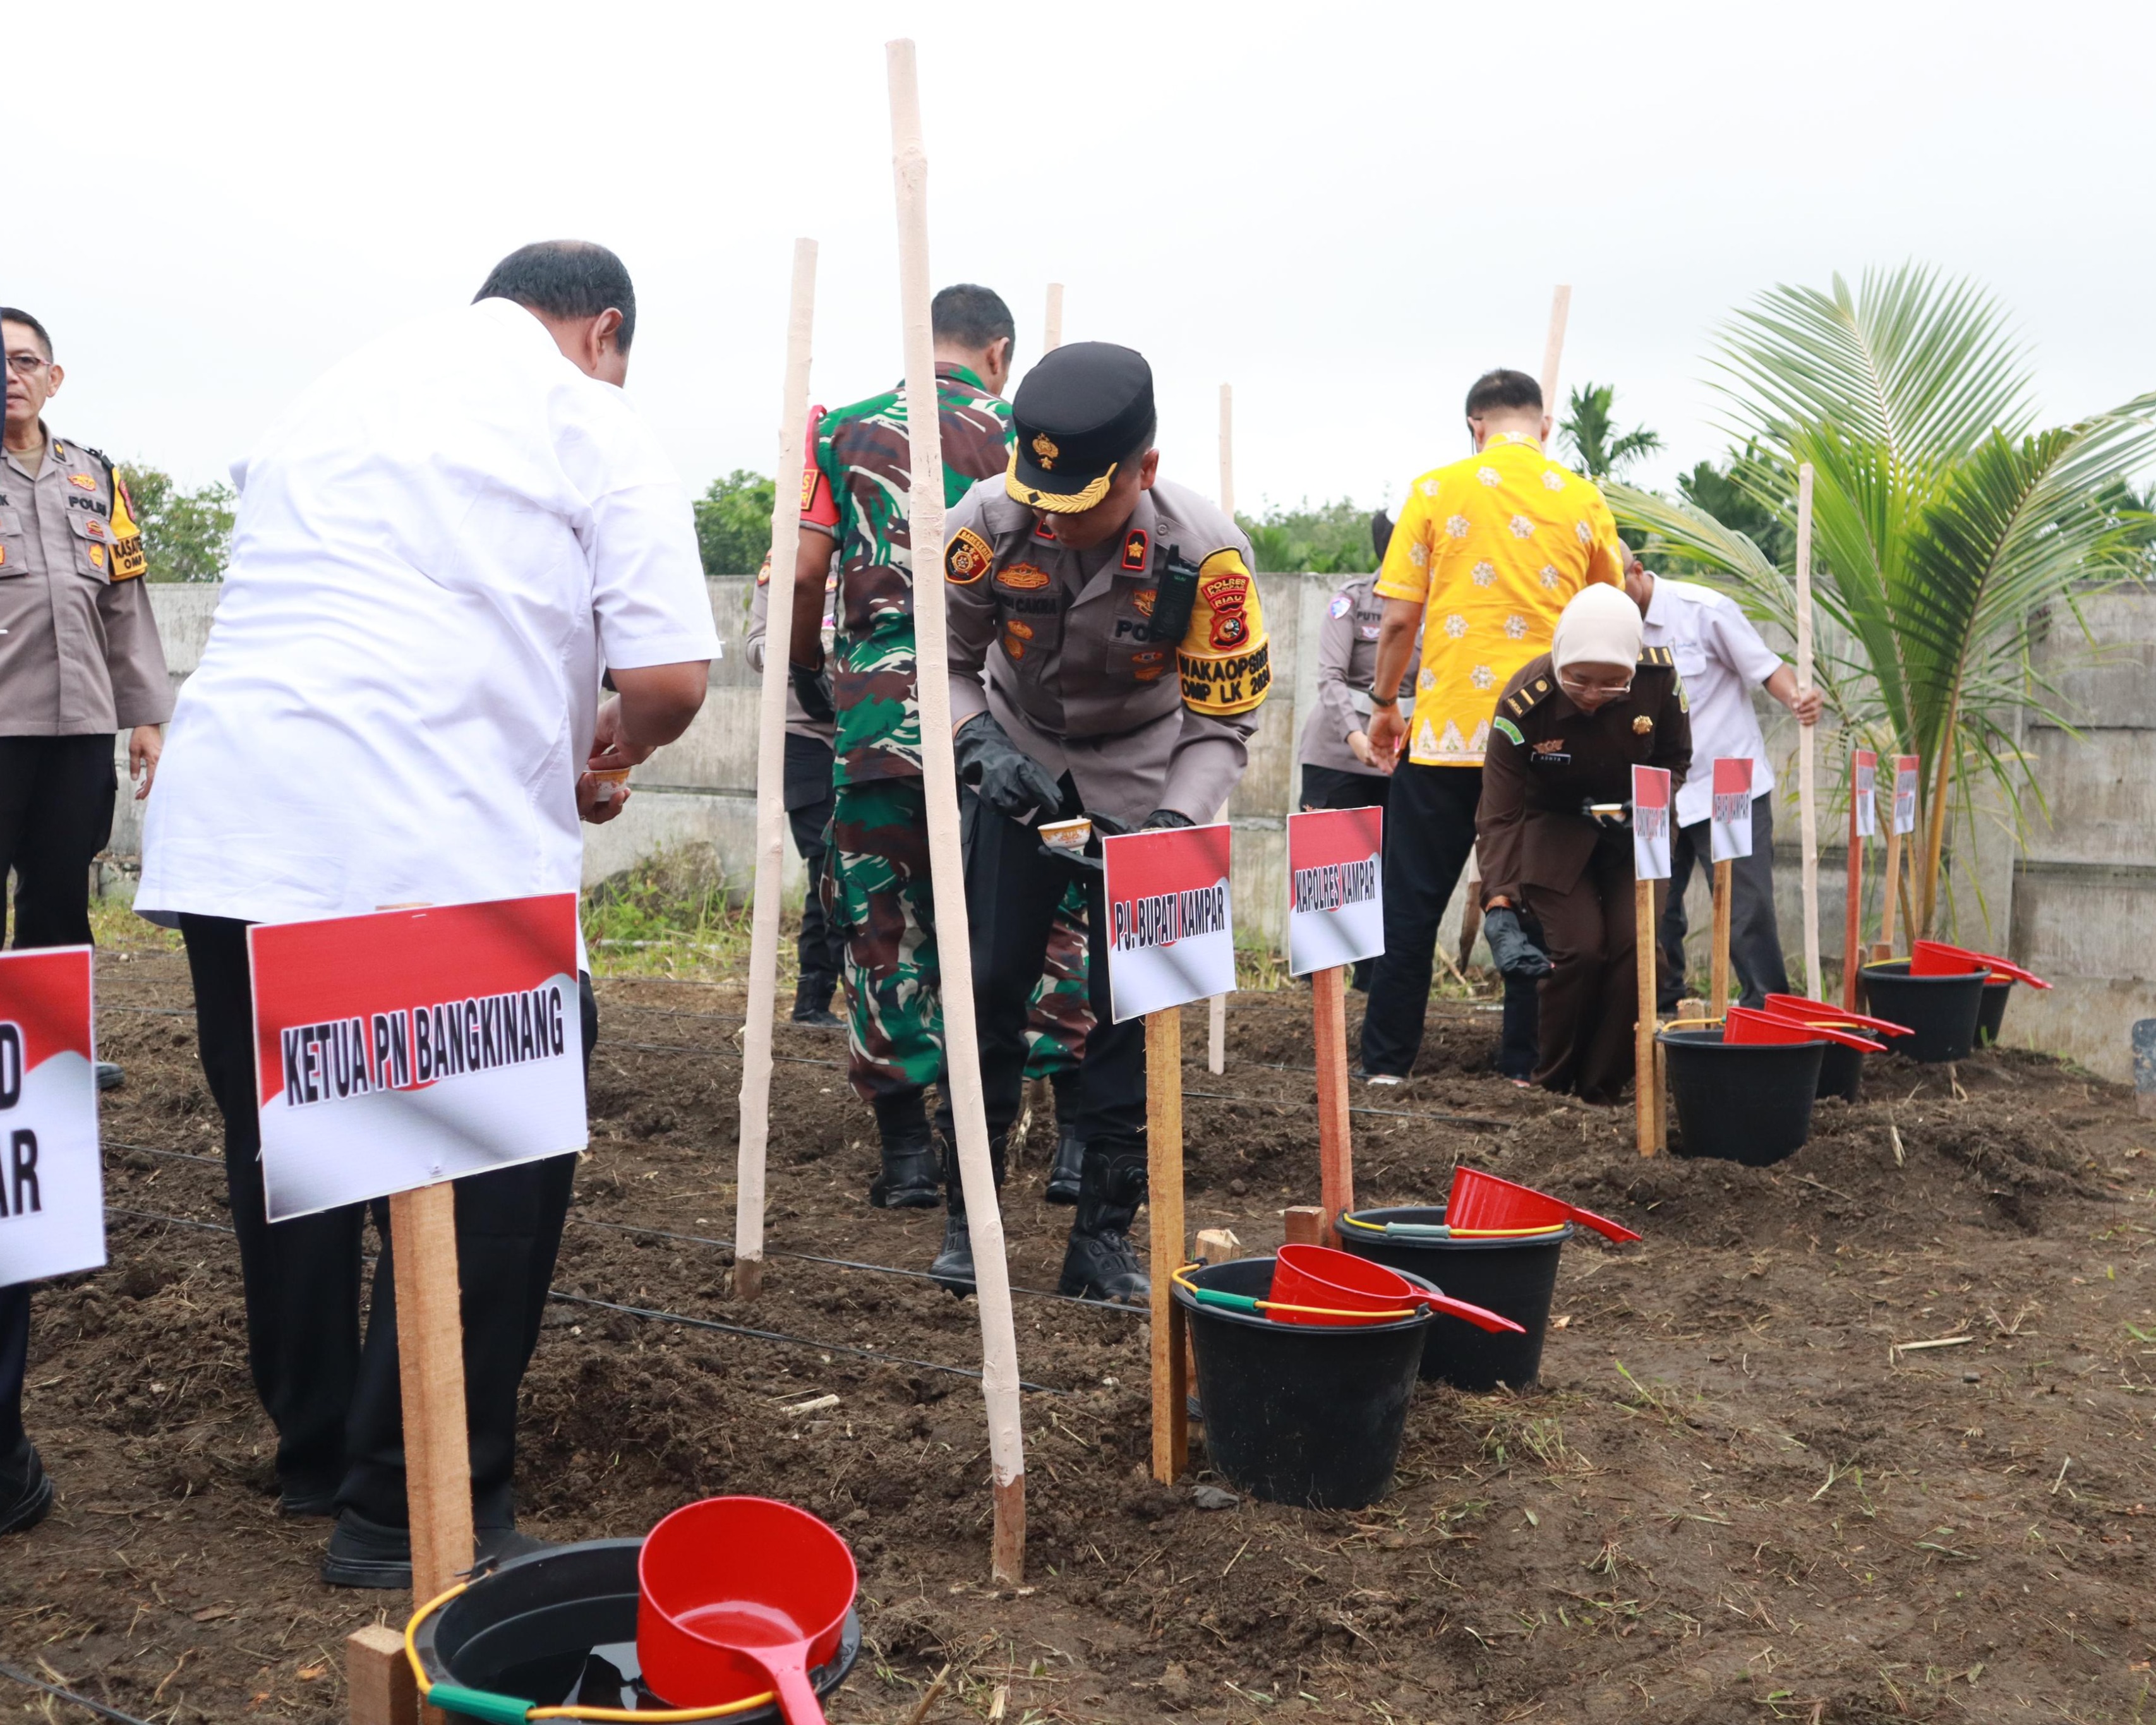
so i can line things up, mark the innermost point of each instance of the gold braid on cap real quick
(1055, 502)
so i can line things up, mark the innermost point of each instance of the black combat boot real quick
(953, 1266)
(1100, 1263)
(910, 1166)
(1065, 1171)
(812, 1004)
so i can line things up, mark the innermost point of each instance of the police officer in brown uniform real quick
(80, 659)
(1569, 728)
(1108, 657)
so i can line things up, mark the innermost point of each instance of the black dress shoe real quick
(26, 1492)
(822, 1017)
(365, 1554)
(110, 1076)
(300, 1498)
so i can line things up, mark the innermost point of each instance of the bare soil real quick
(1730, 1499)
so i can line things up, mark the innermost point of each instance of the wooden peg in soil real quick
(1305, 1224)
(1852, 916)
(999, 1378)
(1052, 329)
(1717, 994)
(1216, 1245)
(1807, 757)
(379, 1687)
(1171, 1386)
(1336, 1151)
(430, 1361)
(754, 1134)
(1645, 1122)
(1216, 1008)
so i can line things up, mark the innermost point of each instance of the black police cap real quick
(1077, 415)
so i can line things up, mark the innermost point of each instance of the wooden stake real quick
(1052, 329)
(755, 1130)
(1890, 887)
(1646, 1115)
(1718, 950)
(1852, 914)
(1304, 1224)
(1553, 348)
(1171, 1389)
(962, 1050)
(1470, 914)
(1336, 1151)
(1216, 1009)
(430, 1361)
(1807, 763)
(379, 1688)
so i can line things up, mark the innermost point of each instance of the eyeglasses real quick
(26, 365)
(1579, 685)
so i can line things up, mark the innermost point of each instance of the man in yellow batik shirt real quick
(1487, 552)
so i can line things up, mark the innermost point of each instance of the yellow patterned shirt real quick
(1492, 548)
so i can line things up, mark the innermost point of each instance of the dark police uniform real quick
(1132, 673)
(1546, 759)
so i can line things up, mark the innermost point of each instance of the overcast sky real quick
(1344, 210)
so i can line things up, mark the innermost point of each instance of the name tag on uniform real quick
(1550, 757)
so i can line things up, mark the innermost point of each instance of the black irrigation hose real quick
(81, 1700)
(657, 1317)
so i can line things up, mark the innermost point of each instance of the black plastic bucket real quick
(1742, 1101)
(558, 1628)
(1304, 1414)
(1941, 1010)
(1513, 1278)
(1841, 1071)
(1993, 1012)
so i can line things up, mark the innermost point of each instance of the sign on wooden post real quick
(1171, 941)
(1729, 835)
(52, 1178)
(1902, 820)
(1651, 862)
(1335, 916)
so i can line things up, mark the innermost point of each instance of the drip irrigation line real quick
(712, 1323)
(154, 1012)
(69, 1695)
(850, 1264)
(667, 1318)
(152, 1150)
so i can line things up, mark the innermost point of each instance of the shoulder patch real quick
(1134, 544)
(1341, 605)
(1226, 654)
(1506, 725)
(1657, 655)
(966, 558)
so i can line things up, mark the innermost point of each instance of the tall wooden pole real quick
(962, 1050)
(1051, 335)
(1807, 760)
(1852, 916)
(1216, 1008)
(755, 1133)
(1890, 885)
(430, 1368)
(1646, 1117)
(1718, 947)
(1335, 1153)
(1553, 349)
(1171, 1387)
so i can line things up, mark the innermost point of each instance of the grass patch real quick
(675, 914)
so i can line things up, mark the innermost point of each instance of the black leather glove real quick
(812, 690)
(1509, 945)
(1161, 819)
(1009, 780)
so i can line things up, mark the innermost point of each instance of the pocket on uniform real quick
(93, 545)
(1691, 658)
(14, 543)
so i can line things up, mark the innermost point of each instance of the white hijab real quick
(1601, 626)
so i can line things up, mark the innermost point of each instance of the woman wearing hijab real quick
(1570, 728)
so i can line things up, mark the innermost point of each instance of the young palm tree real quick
(1946, 531)
(1590, 426)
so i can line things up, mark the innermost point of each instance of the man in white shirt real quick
(1721, 659)
(441, 546)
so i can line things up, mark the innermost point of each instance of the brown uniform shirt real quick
(1547, 759)
(1347, 666)
(79, 647)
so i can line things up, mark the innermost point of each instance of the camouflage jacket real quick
(855, 487)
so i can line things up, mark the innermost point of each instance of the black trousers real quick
(1590, 998)
(333, 1394)
(56, 797)
(809, 801)
(14, 1358)
(1755, 941)
(1012, 890)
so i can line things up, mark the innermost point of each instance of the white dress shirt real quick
(439, 547)
(1722, 659)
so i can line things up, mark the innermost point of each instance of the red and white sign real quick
(1169, 937)
(1336, 888)
(52, 1180)
(1729, 822)
(1651, 823)
(1905, 793)
(1863, 786)
(395, 1050)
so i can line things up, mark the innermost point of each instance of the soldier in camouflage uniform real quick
(876, 883)
(1056, 1022)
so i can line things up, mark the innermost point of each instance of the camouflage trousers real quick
(879, 903)
(1060, 1014)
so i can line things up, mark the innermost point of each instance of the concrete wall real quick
(2076, 903)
